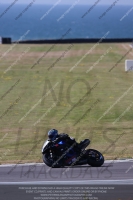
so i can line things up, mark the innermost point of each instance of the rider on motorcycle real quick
(61, 150)
(54, 137)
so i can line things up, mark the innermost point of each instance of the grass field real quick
(29, 108)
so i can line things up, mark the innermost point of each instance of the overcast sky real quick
(101, 2)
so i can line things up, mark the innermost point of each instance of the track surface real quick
(111, 170)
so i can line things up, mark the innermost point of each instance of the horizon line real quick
(68, 4)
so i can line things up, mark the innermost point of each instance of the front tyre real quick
(95, 158)
(50, 162)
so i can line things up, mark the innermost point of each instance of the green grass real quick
(34, 84)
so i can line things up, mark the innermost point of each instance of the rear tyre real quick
(95, 158)
(50, 162)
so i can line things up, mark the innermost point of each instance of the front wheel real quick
(95, 158)
(50, 162)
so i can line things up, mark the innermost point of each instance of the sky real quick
(88, 2)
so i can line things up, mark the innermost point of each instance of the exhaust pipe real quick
(82, 162)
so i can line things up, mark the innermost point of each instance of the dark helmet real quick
(52, 134)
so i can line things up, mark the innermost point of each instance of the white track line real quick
(120, 182)
(117, 161)
(25, 164)
(40, 164)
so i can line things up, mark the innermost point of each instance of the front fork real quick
(51, 155)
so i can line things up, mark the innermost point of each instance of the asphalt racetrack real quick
(113, 171)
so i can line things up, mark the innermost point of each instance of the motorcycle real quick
(58, 154)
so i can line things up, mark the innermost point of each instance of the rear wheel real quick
(95, 158)
(50, 161)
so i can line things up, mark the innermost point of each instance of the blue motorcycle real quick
(59, 154)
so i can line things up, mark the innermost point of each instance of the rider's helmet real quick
(52, 134)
